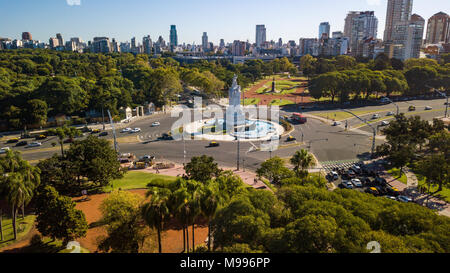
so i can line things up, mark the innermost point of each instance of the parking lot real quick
(364, 178)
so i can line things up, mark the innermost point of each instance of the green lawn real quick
(281, 103)
(23, 227)
(444, 194)
(396, 174)
(340, 115)
(251, 101)
(137, 180)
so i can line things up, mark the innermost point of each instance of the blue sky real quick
(227, 19)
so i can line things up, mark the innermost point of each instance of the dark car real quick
(291, 138)
(12, 140)
(372, 190)
(102, 134)
(22, 143)
(213, 144)
(95, 131)
(351, 174)
(366, 181)
(166, 137)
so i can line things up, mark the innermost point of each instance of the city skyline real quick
(39, 19)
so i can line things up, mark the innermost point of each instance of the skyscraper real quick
(205, 44)
(27, 36)
(438, 29)
(238, 48)
(364, 29)
(414, 37)
(148, 44)
(60, 39)
(173, 36)
(349, 22)
(260, 35)
(222, 43)
(398, 11)
(324, 28)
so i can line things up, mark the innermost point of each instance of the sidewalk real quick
(247, 177)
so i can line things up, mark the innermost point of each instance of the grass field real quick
(252, 101)
(281, 103)
(396, 174)
(444, 194)
(23, 227)
(137, 180)
(339, 115)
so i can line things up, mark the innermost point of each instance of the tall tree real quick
(302, 161)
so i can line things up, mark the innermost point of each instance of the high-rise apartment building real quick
(260, 35)
(148, 44)
(60, 39)
(364, 30)
(222, 43)
(349, 23)
(398, 11)
(101, 45)
(238, 48)
(26, 36)
(324, 29)
(414, 37)
(438, 29)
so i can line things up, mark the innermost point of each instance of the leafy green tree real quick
(202, 169)
(420, 78)
(274, 170)
(121, 213)
(57, 216)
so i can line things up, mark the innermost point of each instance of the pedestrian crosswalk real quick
(330, 165)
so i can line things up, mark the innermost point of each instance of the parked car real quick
(166, 137)
(155, 124)
(147, 159)
(4, 150)
(336, 123)
(366, 181)
(346, 185)
(357, 183)
(334, 175)
(392, 191)
(404, 199)
(356, 169)
(22, 143)
(384, 123)
(351, 173)
(372, 190)
(34, 144)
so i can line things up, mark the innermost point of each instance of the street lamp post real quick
(368, 124)
(396, 105)
(238, 152)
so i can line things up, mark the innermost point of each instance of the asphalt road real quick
(326, 142)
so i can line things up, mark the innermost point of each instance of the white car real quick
(126, 130)
(427, 108)
(34, 144)
(357, 183)
(155, 124)
(4, 150)
(135, 130)
(390, 114)
(384, 123)
(336, 123)
(375, 116)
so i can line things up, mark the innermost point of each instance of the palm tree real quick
(156, 211)
(61, 133)
(195, 191)
(302, 161)
(181, 210)
(210, 202)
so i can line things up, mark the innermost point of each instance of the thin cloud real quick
(73, 2)
(374, 2)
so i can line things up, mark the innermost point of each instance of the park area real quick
(134, 182)
(288, 91)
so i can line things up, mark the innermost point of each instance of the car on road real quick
(412, 108)
(385, 100)
(34, 144)
(384, 123)
(156, 124)
(213, 144)
(22, 143)
(404, 199)
(4, 150)
(40, 137)
(428, 108)
(376, 116)
(336, 123)
(346, 185)
(95, 131)
(390, 114)
(135, 130)
(291, 138)
(357, 183)
(102, 134)
(13, 140)
(166, 136)
(126, 130)
(147, 159)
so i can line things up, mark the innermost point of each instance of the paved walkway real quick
(247, 176)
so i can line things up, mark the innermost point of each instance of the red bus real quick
(299, 118)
